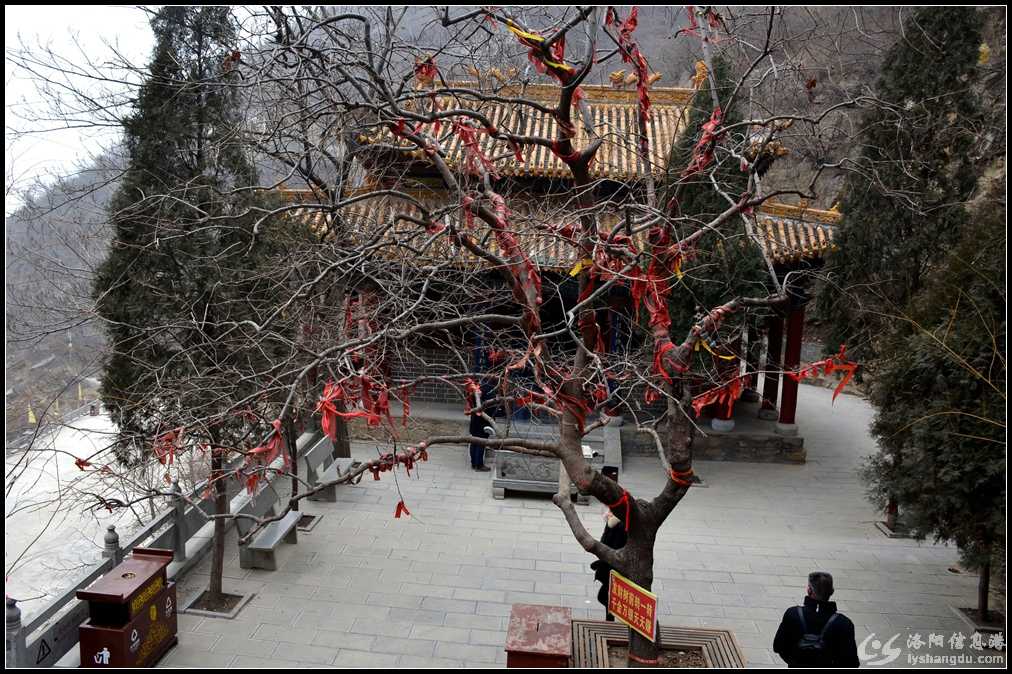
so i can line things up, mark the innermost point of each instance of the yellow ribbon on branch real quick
(578, 267)
(712, 352)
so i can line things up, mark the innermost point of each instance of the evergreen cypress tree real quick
(899, 223)
(185, 267)
(940, 399)
(909, 249)
(170, 216)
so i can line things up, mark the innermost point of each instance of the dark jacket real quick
(477, 426)
(839, 639)
(615, 538)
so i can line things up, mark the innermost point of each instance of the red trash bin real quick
(132, 613)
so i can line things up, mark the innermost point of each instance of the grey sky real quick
(95, 28)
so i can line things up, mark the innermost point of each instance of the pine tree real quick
(183, 267)
(917, 306)
(940, 399)
(164, 259)
(917, 152)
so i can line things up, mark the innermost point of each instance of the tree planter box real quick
(996, 625)
(591, 639)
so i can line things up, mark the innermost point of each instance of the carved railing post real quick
(15, 648)
(111, 549)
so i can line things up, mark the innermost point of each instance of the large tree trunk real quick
(892, 514)
(291, 438)
(221, 507)
(984, 592)
(639, 557)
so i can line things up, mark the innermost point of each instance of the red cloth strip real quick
(682, 479)
(643, 661)
(628, 508)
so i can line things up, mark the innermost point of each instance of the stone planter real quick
(524, 472)
(969, 618)
(591, 639)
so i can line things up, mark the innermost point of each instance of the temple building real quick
(538, 190)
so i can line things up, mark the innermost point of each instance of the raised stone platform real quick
(752, 439)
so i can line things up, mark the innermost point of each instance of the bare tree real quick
(407, 143)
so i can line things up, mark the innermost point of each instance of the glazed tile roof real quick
(789, 233)
(614, 115)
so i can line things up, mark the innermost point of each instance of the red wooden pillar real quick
(723, 418)
(792, 361)
(751, 392)
(771, 385)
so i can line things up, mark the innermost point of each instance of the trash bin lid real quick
(127, 579)
(544, 630)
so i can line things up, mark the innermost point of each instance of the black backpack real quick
(812, 649)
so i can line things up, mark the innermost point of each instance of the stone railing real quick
(53, 632)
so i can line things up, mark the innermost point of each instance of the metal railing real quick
(53, 632)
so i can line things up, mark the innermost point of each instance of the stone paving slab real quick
(434, 590)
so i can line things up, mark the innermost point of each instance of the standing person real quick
(477, 430)
(614, 537)
(816, 634)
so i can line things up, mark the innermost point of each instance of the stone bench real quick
(260, 552)
(318, 459)
(321, 466)
(339, 468)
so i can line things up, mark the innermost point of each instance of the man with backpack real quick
(816, 635)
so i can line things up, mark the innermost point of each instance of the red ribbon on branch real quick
(659, 350)
(725, 395)
(681, 478)
(165, 445)
(327, 405)
(552, 60)
(265, 454)
(829, 365)
(525, 275)
(628, 507)
(631, 54)
(465, 205)
(426, 71)
(401, 509)
(702, 151)
(468, 135)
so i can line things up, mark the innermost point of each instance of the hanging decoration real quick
(631, 54)
(835, 363)
(551, 61)
(264, 455)
(724, 395)
(703, 150)
(165, 446)
(474, 157)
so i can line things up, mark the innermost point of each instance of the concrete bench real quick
(339, 468)
(260, 552)
(319, 458)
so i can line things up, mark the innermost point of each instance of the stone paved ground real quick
(365, 589)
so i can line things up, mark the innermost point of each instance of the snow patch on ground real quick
(52, 537)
